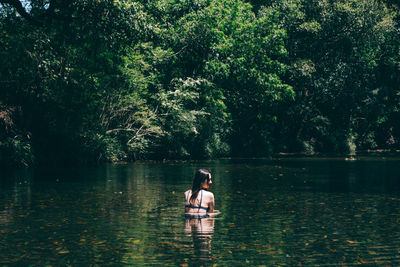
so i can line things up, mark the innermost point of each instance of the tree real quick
(335, 49)
(237, 55)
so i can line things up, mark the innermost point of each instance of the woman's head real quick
(201, 180)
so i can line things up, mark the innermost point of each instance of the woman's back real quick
(203, 203)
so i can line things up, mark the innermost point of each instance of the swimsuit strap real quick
(201, 198)
(194, 207)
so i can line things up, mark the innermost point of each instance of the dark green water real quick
(309, 212)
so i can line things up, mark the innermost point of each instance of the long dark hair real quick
(199, 177)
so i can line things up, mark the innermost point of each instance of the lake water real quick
(292, 211)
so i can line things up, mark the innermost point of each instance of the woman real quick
(198, 201)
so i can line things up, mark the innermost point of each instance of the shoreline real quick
(358, 155)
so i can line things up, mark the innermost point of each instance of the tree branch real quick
(37, 20)
(21, 10)
(120, 130)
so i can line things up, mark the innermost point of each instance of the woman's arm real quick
(185, 197)
(211, 203)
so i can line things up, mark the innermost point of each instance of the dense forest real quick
(116, 80)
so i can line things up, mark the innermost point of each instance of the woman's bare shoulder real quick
(209, 194)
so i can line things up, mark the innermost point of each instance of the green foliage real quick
(336, 52)
(123, 80)
(16, 152)
(238, 54)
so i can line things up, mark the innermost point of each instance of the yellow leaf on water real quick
(136, 241)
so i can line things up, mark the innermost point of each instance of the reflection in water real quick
(202, 230)
(288, 212)
(18, 196)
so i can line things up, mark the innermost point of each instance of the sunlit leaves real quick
(138, 78)
(335, 50)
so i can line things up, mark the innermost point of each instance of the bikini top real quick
(195, 207)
